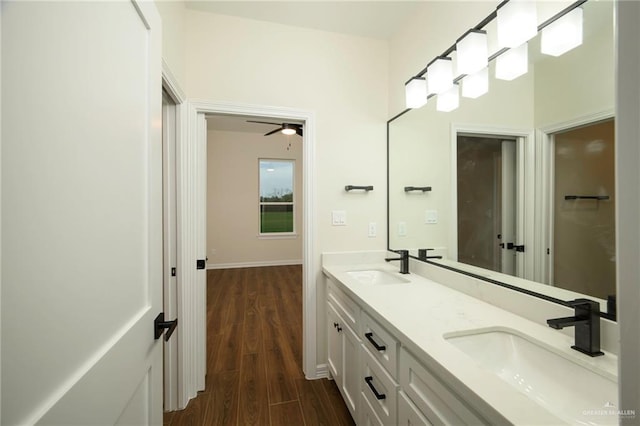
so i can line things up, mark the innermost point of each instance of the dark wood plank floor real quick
(254, 356)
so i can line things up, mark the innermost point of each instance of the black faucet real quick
(587, 326)
(404, 260)
(422, 254)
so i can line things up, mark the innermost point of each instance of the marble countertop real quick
(421, 312)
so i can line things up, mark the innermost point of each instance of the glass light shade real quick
(288, 131)
(513, 63)
(440, 75)
(472, 52)
(562, 35)
(476, 84)
(517, 22)
(416, 92)
(449, 100)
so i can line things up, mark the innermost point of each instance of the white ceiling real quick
(374, 19)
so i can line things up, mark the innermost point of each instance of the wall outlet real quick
(402, 229)
(431, 216)
(372, 229)
(339, 218)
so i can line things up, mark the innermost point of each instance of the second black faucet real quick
(404, 260)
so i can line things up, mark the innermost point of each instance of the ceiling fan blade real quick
(263, 122)
(299, 130)
(273, 131)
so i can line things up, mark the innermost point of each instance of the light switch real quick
(402, 229)
(431, 216)
(338, 218)
(373, 231)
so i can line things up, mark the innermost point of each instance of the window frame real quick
(292, 203)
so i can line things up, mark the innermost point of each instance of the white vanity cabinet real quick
(381, 382)
(433, 399)
(343, 346)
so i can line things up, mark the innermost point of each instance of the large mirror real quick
(518, 184)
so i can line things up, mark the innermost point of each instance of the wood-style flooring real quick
(254, 356)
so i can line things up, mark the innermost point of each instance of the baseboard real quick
(254, 264)
(322, 372)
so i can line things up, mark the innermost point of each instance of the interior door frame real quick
(192, 367)
(545, 231)
(172, 378)
(525, 148)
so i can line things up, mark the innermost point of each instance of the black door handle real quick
(369, 380)
(375, 344)
(159, 325)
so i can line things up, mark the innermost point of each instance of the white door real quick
(508, 205)
(81, 213)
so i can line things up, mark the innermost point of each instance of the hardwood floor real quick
(254, 356)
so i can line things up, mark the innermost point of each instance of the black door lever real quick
(159, 325)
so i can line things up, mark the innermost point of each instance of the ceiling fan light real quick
(513, 63)
(288, 131)
(472, 52)
(440, 75)
(562, 35)
(449, 100)
(416, 92)
(476, 84)
(517, 22)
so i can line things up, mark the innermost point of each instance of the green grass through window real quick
(276, 221)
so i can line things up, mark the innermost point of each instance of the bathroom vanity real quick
(407, 349)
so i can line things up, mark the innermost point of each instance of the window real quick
(276, 196)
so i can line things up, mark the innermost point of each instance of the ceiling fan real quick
(285, 128)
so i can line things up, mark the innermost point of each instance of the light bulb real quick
(562, 35)
(476, 84)
(449, 100)
(416, 92)
(440, 75)
(513, 63)
(472, 52)
(517, 22)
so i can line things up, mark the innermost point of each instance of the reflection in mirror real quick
(501, 165)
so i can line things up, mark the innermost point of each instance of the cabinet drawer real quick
(408, 414)
(381, 343)
(378, 388)
(436, 402)
(368, 416)
(347, 308)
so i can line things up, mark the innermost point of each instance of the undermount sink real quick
(570, 391)
(377, 277)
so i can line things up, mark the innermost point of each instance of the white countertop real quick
(421, 312)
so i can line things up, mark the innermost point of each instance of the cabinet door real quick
(351, 368)
(334, 346)
(408, 414)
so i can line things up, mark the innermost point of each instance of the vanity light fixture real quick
(476, 84)
(517, 22)
(472, 52)
(440, 75)
(416, 92)
(449, 100)
(513, 63)
(562, 35)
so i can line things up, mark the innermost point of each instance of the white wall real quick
(232, 199)
(172, 15)
(342, 79)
